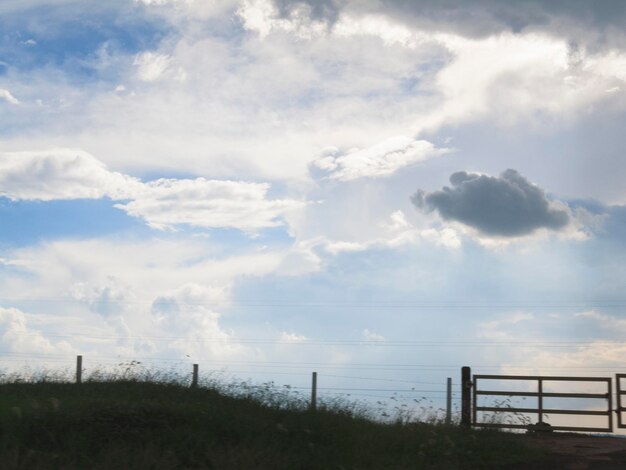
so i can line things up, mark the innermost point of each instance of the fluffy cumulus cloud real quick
(188, 313)
(17, 335)
(108, 299)
(505, 206)
(380, 160)
(60, 174)
(397, 233)
(447, 238)
(125, 298)
(489, 69)
(164, 203)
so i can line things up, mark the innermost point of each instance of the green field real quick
(118, 424)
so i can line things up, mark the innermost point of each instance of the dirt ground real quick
(577, 452)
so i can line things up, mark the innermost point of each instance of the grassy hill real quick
(147, 425)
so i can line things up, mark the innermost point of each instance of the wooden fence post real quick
(449, 401)
(466, 396)
(540, 401)
(79, 369)
(194, 380)
(314, 391)
(610, 399)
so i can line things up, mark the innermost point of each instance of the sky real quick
(379, 190)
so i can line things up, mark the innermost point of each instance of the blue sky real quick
(224, 172)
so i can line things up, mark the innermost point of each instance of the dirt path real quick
(577, 452)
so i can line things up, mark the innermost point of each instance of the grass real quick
(153, 422)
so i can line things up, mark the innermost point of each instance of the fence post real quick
(449, 401)
(540, 400)
(194, 379)
(610, 398)
(79, 369)
(466, 396)
(314, 391)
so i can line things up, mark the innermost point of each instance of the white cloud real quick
(504, 76)
(166, 203)
(193, 10)
(188, 313)
(241, 98)
(108, 299)
(398, 221)
(595, 354)
(397, 234)
(8, 97)
(380, 160)
(595, 350)
(123, 296)
(371, 336)
(500, 329)
(446, 237)
(151, 66)
(338, 246)
(300, 259)
(149, 267)
(259, 16)
(391, 33)
(60, 174)
(510, 77)
(589, 358)
(580, 229)
(263, 17)
(19, 337)
(611, 65)
(184, 314)
(610, 323)
(291, 337)
(351, 83)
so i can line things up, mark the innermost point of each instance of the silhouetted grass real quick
(151, 421)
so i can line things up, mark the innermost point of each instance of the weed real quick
(134, 417)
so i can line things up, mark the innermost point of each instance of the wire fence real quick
(387, 396)
(391, 389)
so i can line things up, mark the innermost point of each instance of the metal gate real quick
(540, 410)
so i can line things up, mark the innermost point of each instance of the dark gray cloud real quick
(504, 206)
(599, 23)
